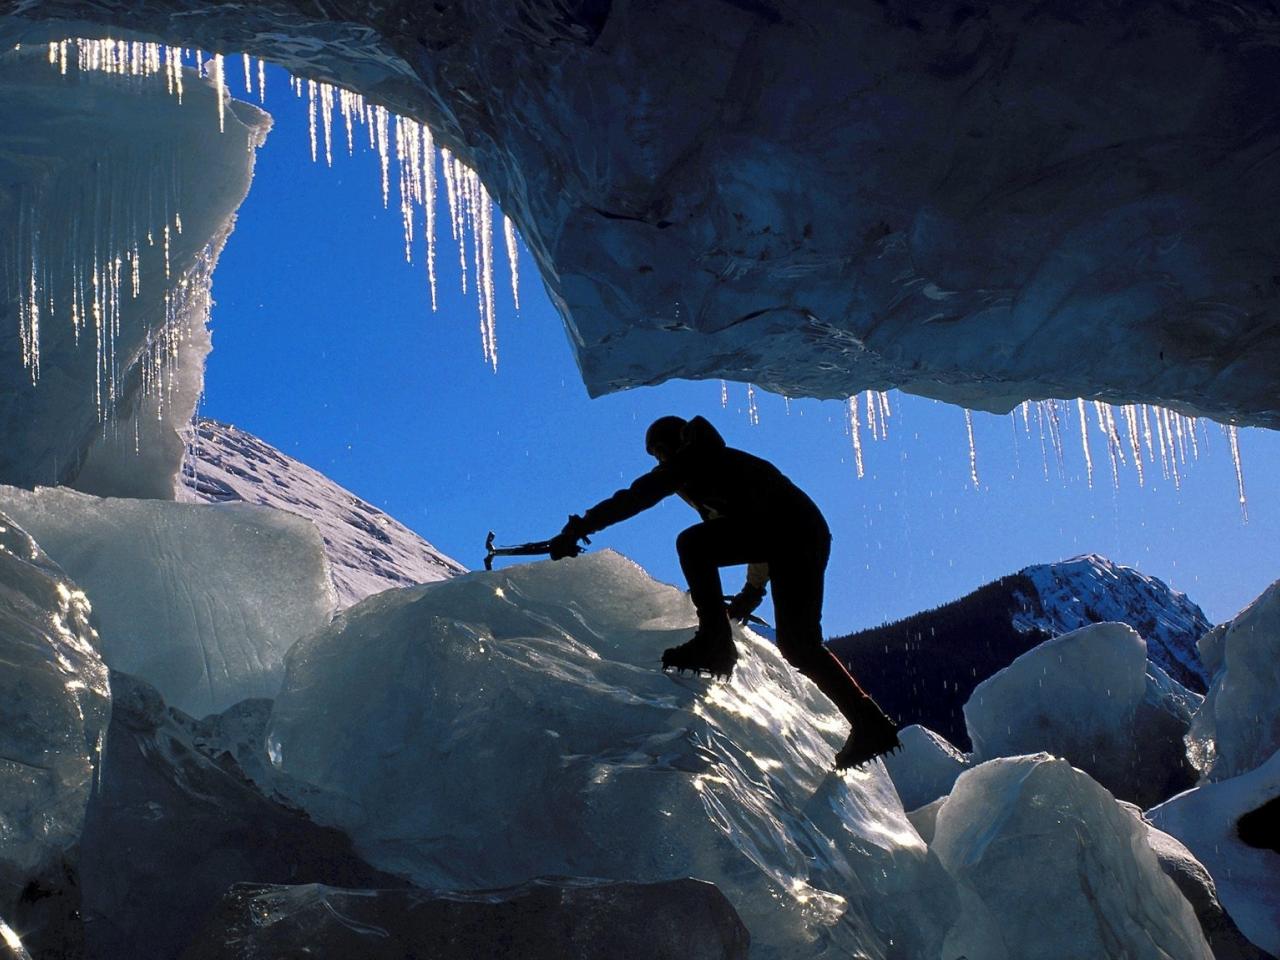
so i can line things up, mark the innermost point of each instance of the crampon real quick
(701, 657)
(874, 735)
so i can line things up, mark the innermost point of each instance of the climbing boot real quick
(873, 735)
(711, 651)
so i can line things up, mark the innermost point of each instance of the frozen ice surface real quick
(368, 550)
(546, 919)
(1248, 878)
(174, 822)
(200, 600)
(1051, 866)
(1238, 727)
(1087, 696)
(105, 180)
(1191, 877)
(925, 768)
(478, 731)
(54, 705)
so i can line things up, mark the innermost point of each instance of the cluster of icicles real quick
(472, 211)
(1137, 435)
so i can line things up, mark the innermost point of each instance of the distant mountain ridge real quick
(368, 550)
(922, 669)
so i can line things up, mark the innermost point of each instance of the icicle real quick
(311, 117)
(1233, 437)
(1167, 427)
(429, 207)
(513, 257)
(753, 411)
(484, 242)
(871, 416)
(451, 190)
(1084, 440)
(380, 116)
(1104, 425)
(855, 432)
(326, 113)
(1135, 442)
(262, 81)
(407, 181)
(973, 449)
(248, 75)
(219, 85)
(724, 395)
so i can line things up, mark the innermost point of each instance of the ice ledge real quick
(822, 200)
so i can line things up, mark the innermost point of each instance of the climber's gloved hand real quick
(565, 543)
(744, 604)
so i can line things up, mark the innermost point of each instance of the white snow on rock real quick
(1238, 726)
(54, 707)
(1248, 878)
(201, 601)
(1092, 589)
(1051, 866)
(925, 768)
(368, 550)
(1088, 696)
(478, 731)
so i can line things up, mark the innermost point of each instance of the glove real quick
(565, 543)
(745, 603)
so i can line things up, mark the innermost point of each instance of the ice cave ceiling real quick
(980, 202)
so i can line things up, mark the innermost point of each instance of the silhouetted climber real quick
(751, 514)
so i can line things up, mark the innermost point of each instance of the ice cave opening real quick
(248, 712)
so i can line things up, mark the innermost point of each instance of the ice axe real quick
(537, 548)
(752, 618)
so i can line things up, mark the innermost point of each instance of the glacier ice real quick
(1206, 819)
(120, 200)
(368, 551)
(926, 768)
(175, 821)
(544, 919)
(1191, 877)
(54, 705)
(1089, 696)
(496, 726)
(200, 600)
(1051, 866)
(1238, 726)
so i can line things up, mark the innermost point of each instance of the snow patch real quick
(368, 550)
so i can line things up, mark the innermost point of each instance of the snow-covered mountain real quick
(1091, 589)
(368, 551)
(924, 668)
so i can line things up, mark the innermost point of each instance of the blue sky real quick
(325, 346)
